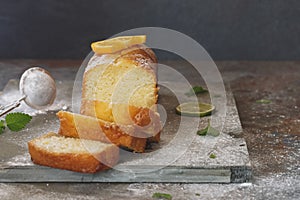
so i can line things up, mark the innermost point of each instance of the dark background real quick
(227, 29)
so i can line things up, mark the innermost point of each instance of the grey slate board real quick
(181, 156)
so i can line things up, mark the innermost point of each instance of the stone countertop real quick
(272, 133)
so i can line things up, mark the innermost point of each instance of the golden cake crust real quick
(130, 136)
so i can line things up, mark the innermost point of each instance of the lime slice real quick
(194, 109)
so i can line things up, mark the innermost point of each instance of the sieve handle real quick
(11, 106)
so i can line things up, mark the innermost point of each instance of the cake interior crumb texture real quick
(60, 144)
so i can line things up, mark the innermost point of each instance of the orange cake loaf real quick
(121, 86)
(112, 82)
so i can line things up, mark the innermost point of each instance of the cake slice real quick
(132, 137)
(74, 154)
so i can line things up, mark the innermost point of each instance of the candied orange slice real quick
(116, 44)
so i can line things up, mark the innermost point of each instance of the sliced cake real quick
(74, 154)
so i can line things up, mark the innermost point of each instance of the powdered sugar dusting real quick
(20, 160)
(107, 59)
(104, 59)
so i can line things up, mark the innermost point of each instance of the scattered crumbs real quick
(263, 101)
(158, 195)
(212, 155)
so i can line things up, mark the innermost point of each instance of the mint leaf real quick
(17, 121)
(2, 126)
(208, 131)
(203, 132)
(158, 195)
(212, 156)
(196, 90)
